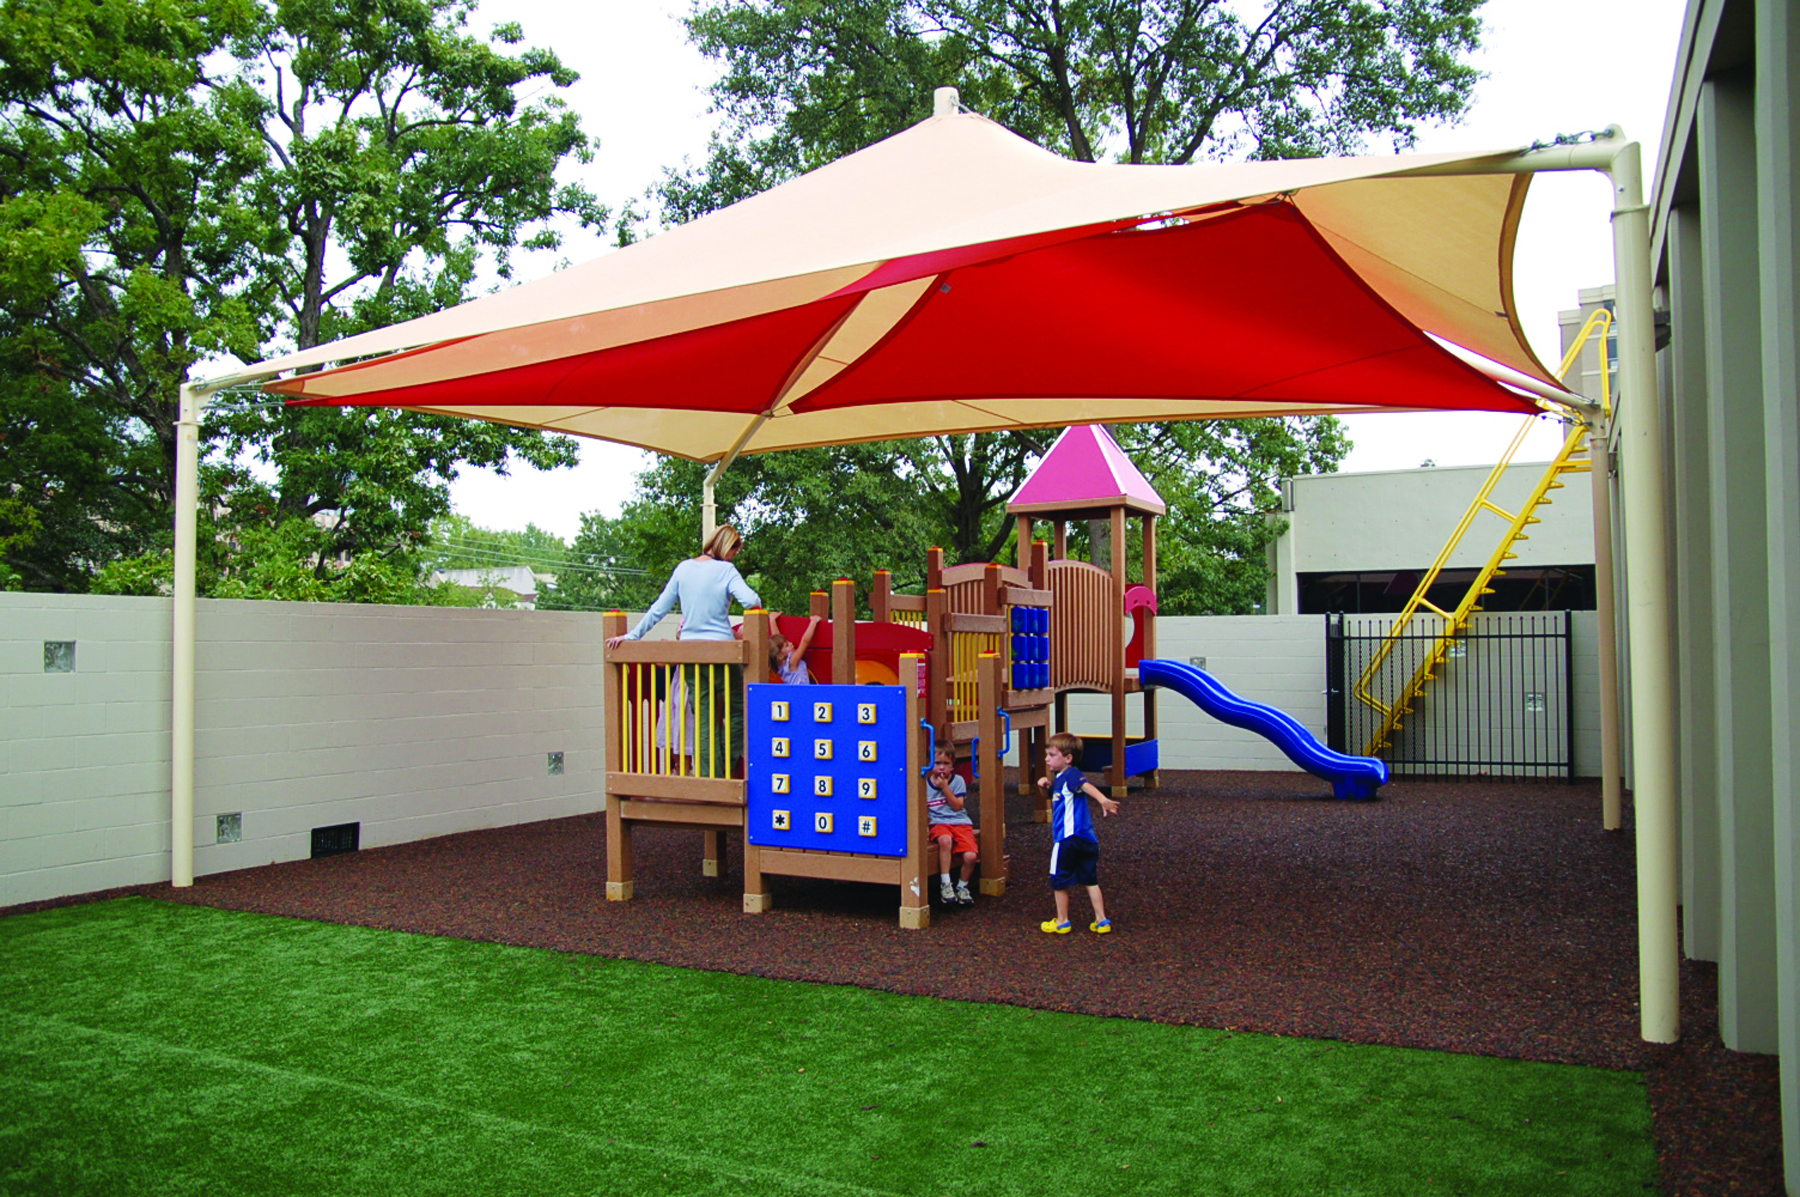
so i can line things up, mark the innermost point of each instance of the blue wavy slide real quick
(1355, 777)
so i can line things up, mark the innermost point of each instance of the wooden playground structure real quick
(987, 650)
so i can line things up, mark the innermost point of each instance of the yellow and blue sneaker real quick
(1052, 927)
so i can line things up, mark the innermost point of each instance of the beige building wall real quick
(1401, 519)
(1584, 376)
(1726, 250)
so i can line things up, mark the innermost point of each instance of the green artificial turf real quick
(149, 1047)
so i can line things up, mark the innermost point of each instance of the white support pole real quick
(709, 512)
(1641, 493)
(181, 746)
(1612, 761)
(1642, 490)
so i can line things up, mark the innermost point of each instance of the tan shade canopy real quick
(956, 277)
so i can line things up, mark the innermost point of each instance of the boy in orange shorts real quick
(946, 801)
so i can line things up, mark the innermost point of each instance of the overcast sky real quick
(642, 98)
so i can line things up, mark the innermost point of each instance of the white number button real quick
(778, 711)
(779, 746)
(865, 750)
(782, 820)
(821, 712)
(778, 783)
(821, 750)
(822, 786)
(865, 787)
(822, 822)
(865, 712)
(865, 825)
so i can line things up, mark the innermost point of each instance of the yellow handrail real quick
(1456, 620)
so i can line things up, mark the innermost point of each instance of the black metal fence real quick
(1502, 702)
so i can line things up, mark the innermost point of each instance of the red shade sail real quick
(1041, 293)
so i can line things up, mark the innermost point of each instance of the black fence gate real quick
(1502, 703)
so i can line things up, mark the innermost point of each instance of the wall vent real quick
(329, 841)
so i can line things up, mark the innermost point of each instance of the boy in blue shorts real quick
(1075, 854)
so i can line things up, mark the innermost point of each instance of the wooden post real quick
(1116, 646)
(1022, 544)
(1151, 779)
(915, 901)
(756, 646)
(937, 623)
(934, 569)
(880, 596)
(618, 832)
(756, 670)
(1059, 549)
(819, 604)
(1032, 760)
(990, 590)
(1040, 736)
(843, 632)
(993, 781)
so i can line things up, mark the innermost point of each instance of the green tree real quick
(1157, 81)
(1221, 481)
(808, 516)
(620, 563)
(127, 256)
(283, 561)
(186, 179)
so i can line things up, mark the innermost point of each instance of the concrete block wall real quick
(413, 722)
(84, 755)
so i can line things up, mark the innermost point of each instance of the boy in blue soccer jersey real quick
(1075, 855)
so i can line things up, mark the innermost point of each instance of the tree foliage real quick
(190, 180)
(618, 563)
(1152, 81)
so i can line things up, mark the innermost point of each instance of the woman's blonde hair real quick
(721, 543)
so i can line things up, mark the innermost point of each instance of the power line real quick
(496, 560)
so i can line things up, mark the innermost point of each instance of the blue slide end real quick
(1352, 777)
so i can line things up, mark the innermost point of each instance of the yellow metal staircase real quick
(1573, 459)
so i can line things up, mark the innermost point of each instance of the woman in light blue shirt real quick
(704, 587)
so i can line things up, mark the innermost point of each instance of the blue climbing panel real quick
(826, 768)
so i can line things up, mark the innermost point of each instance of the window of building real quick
(1522, 588)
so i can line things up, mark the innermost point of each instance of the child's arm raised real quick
(797, 653)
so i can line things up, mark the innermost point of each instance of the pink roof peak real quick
(1085, 468)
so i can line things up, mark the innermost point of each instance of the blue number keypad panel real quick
(827, 770)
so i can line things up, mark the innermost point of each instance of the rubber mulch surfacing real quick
(1488, 917)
